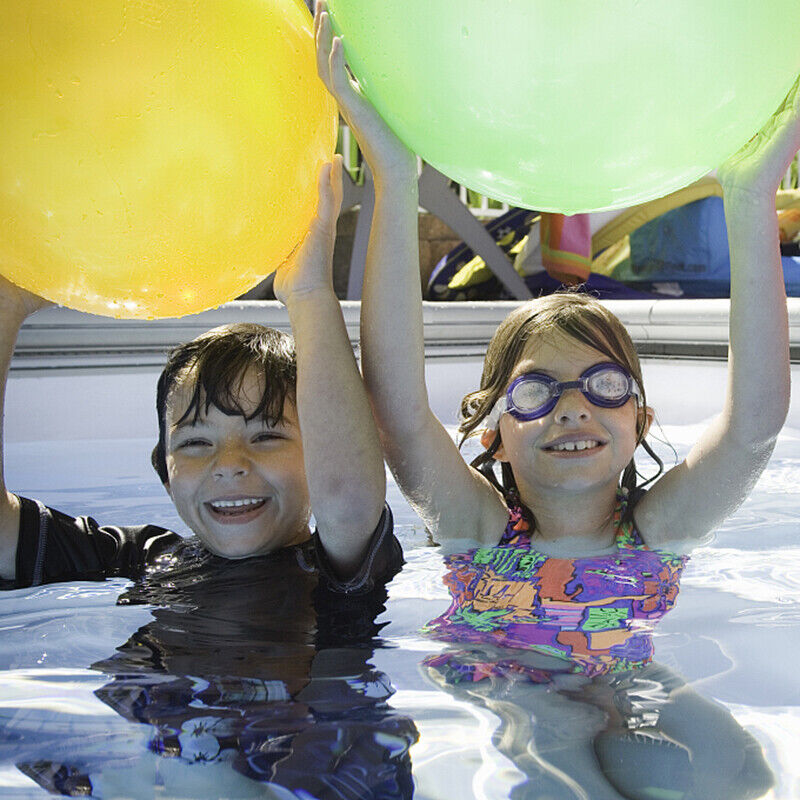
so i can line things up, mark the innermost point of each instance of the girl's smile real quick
(573, 445)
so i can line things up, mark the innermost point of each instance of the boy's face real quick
(239, 484)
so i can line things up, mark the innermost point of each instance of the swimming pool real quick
(733, 636)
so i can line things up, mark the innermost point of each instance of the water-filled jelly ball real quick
(572, 105)
(156, 158)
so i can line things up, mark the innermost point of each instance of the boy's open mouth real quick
(239, 509)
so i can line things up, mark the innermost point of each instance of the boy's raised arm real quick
(343, 459)
(15, 306)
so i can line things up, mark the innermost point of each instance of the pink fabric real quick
(566, 244)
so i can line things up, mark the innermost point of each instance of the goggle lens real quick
(608, 384)
(531, 394)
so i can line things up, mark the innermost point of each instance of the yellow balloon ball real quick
(156, 159)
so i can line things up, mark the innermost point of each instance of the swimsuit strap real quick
(627, 536)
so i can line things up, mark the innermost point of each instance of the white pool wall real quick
(75, 376)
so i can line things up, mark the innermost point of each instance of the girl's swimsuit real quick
(594, 614)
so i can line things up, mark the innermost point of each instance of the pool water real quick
(733, 638)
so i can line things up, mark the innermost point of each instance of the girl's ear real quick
(648, 415)
(487, 440)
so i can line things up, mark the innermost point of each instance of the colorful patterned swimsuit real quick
(595, 614)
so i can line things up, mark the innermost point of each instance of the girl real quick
(564, 557)
(561, 402)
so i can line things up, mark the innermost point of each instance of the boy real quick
(256, 659)
(230, 452)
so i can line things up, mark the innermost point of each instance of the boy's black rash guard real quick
(55, 547)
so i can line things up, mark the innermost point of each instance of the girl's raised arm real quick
(692, 499)
(454, 500)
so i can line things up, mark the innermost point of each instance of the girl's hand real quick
(387, 156)
(17, 302)
(756, 170)
(310, 266)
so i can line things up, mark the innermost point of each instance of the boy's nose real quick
(231, 463)
(572, 406)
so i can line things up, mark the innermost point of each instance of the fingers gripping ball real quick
(574, 105)
(156, 159)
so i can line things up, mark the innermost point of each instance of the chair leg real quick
(436, 196)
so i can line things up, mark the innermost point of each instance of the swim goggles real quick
(535, 394)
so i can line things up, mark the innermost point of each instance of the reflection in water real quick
(641, 734)
(252, 672)
(66, 735)
(561, 650)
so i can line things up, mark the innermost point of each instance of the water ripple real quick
(764, 576)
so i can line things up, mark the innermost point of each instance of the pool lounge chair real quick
(675, 246)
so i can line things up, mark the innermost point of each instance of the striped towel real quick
(566, 244)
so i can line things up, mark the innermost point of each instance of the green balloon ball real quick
(572, 105)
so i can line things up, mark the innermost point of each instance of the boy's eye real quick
(194, 443)
(267, 436)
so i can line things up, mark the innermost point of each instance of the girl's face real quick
(578, 446)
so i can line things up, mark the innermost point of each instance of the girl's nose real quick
(572, 406)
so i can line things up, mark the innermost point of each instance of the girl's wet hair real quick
(575, 315)
(217, 363)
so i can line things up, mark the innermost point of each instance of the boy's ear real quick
(159, 465)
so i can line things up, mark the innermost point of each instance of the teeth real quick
(585, 444)
(250, 501)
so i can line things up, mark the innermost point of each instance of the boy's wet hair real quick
(216, 362)
(569, 313)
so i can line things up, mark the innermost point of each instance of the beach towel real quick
(566, 246)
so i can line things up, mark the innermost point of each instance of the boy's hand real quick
(17, 302)
(310, 265)
(387, 156)
(756, 170)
